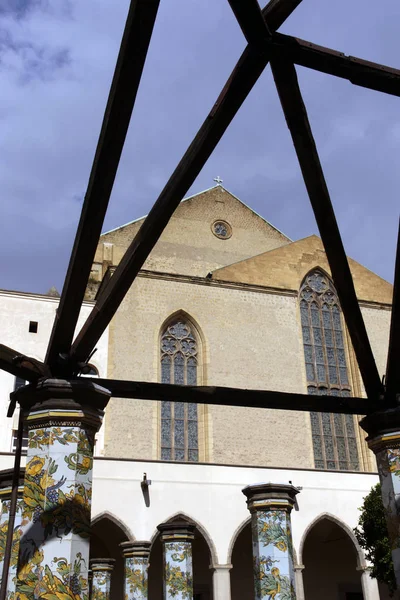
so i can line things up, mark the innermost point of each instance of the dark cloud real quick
(56, 65)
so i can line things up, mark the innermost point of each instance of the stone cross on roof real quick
(218, 180)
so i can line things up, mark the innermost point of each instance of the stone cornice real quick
(270, 496)
(234, 285)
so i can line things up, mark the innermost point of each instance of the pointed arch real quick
(320, 270)
(235, 536)
(326, 363)
(116, 521)
(181, 362)
(361, 563)
(201, 529)
(181, 313)
(107, 533)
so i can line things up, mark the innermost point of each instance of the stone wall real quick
(187, 245)
(249, 338)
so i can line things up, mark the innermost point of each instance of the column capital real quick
(138, 548)
(179, 531)
(101, 564)
(221, 567)
(270, 496)
(54, 402)
(299, 567)
(383, 429)
(6, 477)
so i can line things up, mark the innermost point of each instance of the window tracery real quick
(179, 421)
(334, 436)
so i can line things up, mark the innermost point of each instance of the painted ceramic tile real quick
(389, 472)
(53, 439)
(15, 543)
(136, 578)
(101, 584)
(54, 549)
(5, 509)
(178, 570)
(273, 556)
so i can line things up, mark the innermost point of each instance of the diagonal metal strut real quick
(251, 21)
(393, 361)
(295, 112)
(244, 76)
(124, 87)
(22, 366)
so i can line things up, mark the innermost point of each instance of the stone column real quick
(177, 541)
(136, 555)
(369, 585)
(101, 570)
(270, 505)
(222, 581)
(383, 430)
(62, 418)
(299, 583)
(90, 580)
(6, 477)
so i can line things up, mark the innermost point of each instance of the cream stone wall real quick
(187, 245)
(287, 266)
(250, 340)
(246, 314)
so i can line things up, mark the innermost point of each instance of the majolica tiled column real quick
(270, 506)
(177, 541)
(62, 418)
(5, 497)
(383, 430)
(101, 571)
(136, 556)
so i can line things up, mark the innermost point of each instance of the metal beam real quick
(121, 99)
(244, 76)
(356, 70)
(297, 120)
(22, 366)
(225, 396)
(251, 21)
(393, 362)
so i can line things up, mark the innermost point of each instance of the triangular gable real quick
(188, 245)
(286, 267)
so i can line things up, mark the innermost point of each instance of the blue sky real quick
(56, 65)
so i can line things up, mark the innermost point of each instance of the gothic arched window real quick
(334, 436)
(179, 364)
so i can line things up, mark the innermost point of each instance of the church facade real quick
(224, 299)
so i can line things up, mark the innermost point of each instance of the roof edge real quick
(268, 251)
(144, 216)
(199, 194)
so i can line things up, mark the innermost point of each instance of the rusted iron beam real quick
(225, 396)
(251, 22)
(393, 362)
(244, 76)
(22, 366)
(356, 70)
(295, 112)
(121, 99)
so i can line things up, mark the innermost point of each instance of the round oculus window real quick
(221, 229)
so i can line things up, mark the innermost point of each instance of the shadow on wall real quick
(242, 584)
(330, 561)
(104, 543)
